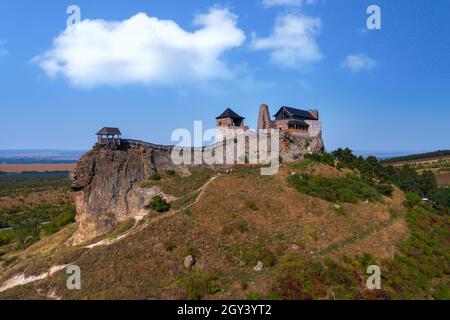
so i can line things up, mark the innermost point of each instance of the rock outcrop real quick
(107, 180)
(106, 185)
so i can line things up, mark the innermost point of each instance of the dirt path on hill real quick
(138, 227)
(19, 280)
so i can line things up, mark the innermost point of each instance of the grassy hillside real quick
(315, 226)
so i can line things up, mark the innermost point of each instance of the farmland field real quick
(37, 167)
(33, 205)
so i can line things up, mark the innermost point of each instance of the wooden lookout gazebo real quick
(109, 136)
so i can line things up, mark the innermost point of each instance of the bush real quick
(60, 221)
(5, 237)
(348, 189)
(441, 199)
(412, 199)
(198, 284)
(299, 279)
(325, 158)
(385, 188)
(159, 204)
(251, 255)
(170, 172)
(155, 176)
(251, 205)
(242, 226)
(254, 296)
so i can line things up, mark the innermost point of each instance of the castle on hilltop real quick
(289, 121)
(297, 122)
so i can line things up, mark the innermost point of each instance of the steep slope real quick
(235, 221)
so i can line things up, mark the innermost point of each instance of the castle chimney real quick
(264, 117)
(314, 113)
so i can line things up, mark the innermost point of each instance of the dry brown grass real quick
(443, 178)
(31, 199)
(37, 167)
(148, 263)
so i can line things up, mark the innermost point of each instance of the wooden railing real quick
(146, 144)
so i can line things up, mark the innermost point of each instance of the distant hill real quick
(420, 156)
(39, 156)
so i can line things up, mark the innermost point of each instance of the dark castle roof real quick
(297, 113)
(228, 113)
(108, 130)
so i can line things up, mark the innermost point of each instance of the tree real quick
(427, 184)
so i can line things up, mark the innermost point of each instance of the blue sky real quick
(180, 61)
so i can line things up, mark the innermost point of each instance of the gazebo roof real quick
(109, 130)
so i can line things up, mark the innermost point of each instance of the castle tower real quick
(264, 117)
(230, 119)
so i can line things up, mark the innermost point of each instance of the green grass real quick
(180, 186)
(198, 284)
(303, 164)
(29, 224)
(348, 189)
(423, 259)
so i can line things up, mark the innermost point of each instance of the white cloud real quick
(143, 50)
(271, 3)
(293, 41)
(359, 62)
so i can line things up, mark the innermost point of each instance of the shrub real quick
(348, 189)
(170, 172)
(366, 260)
(298, 279)
(213, 287)
(242, 226)
(169, 245)
(5, 237)
(59, 222)
(251, 205)
(155, 176)
(441, 199)
(412, 199)
(198, 284)
(325, 158)
(385, 188)
(254, 296)
(159, 204)
(189, 250)
(252, 254)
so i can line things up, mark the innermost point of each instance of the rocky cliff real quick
(107, 181)
(106, 186)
